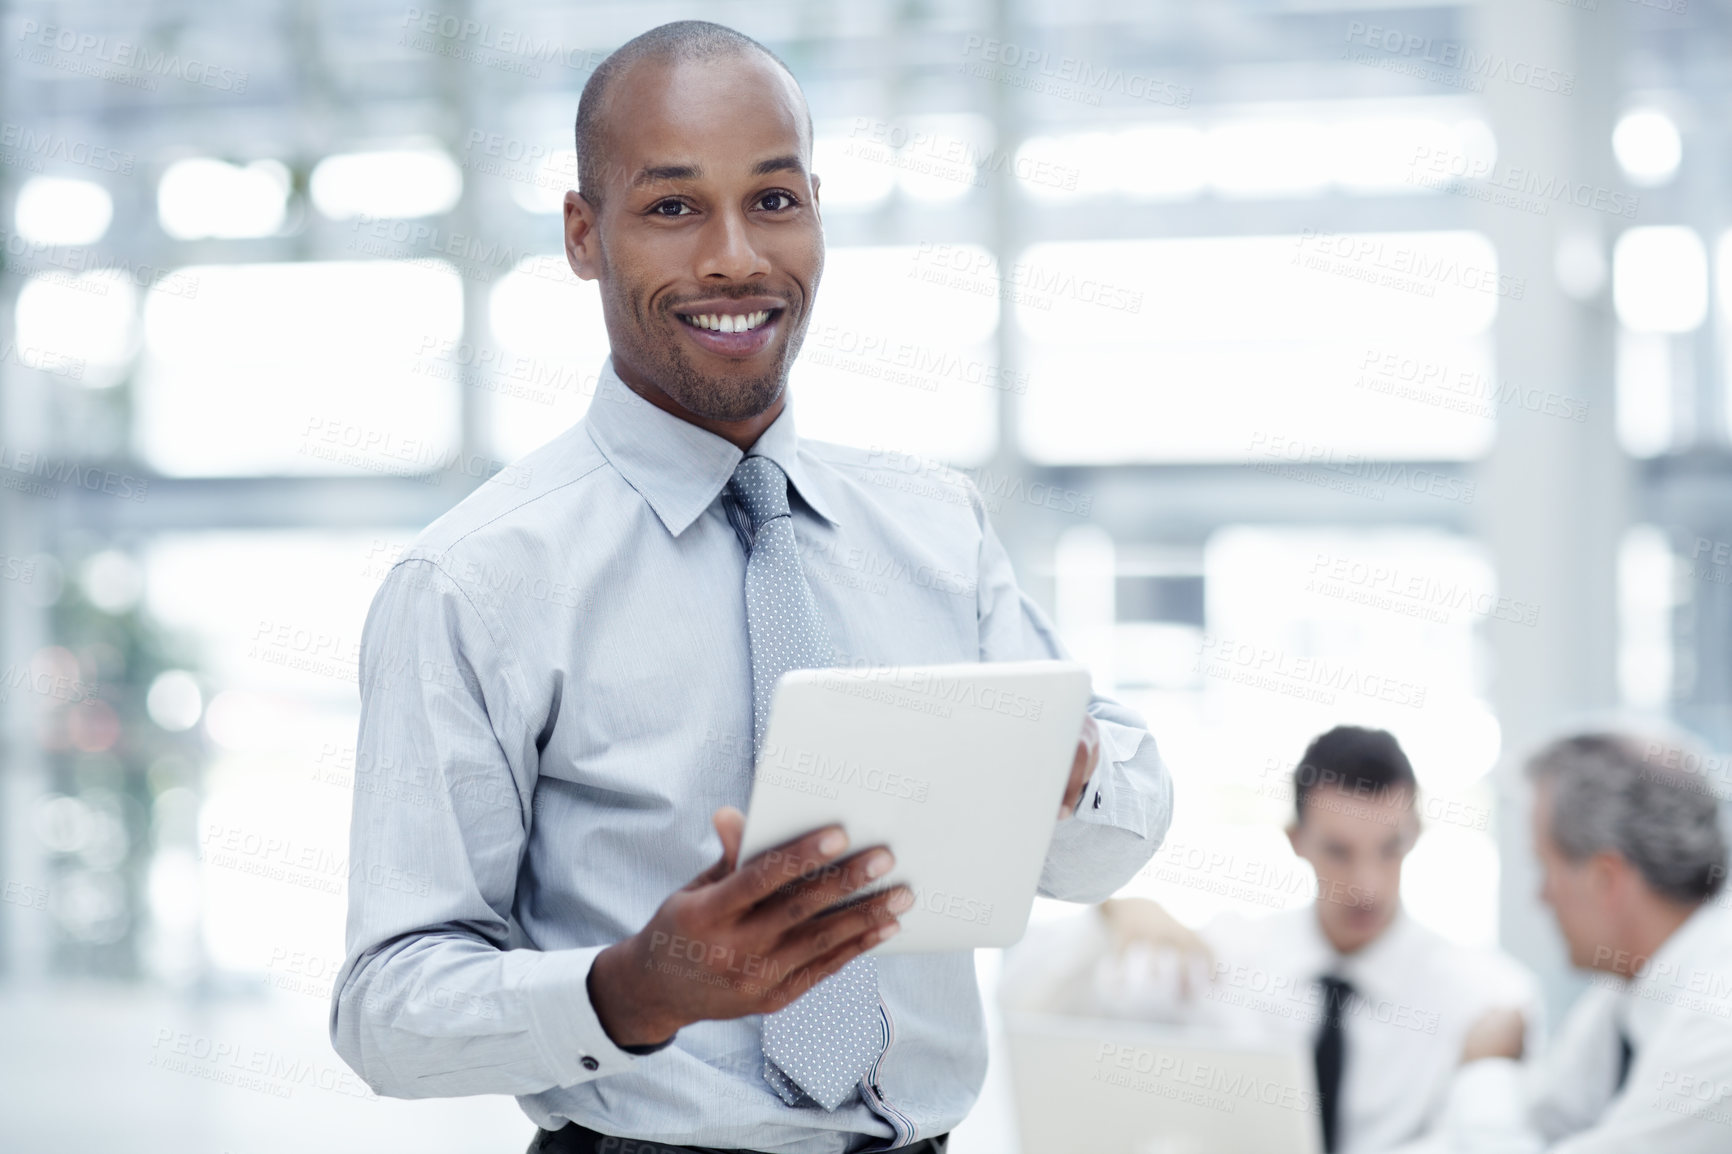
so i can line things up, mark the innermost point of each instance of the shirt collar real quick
(1696, 950)
(676, 466)
(1367, 967)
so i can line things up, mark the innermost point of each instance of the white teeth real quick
(730, 322)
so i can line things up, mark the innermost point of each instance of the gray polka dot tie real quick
(825, 1041)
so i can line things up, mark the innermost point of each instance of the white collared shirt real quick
(1677, 1096)
(1415, 995)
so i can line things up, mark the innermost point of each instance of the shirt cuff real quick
(1487, 1108)
(564, 1023)
(1110, 799)
(1494, 1082)
(649, 1049)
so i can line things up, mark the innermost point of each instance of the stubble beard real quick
(714, 398)
(719, 398)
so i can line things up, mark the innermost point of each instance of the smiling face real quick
(707, 241)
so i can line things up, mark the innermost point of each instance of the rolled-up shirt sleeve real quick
(1124, 812)
(430, 1000)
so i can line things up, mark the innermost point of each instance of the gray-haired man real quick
(1634, 858)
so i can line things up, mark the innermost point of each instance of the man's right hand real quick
(744, 940)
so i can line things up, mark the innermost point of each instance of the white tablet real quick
(959, 769)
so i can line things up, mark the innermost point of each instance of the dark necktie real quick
(825, 1041)
(1626, 1055)
(1331, 1055)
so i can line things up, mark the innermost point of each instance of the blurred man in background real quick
(1383, 1003)
(1634, 860)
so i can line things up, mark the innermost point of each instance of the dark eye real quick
(787, 200)
(670, 208)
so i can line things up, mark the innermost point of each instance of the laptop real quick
(1091, 1086)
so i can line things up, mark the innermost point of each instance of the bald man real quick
(563, 688)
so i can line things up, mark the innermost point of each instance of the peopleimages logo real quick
(1454, 57)
(957, 691)
(512, 49)
(1332, 574)
(93, 50)
(18, 467)
(1067, 77)
(1350, 472)
(1217, 1086)
(1395, 265)
(1513, 186)
(34, 146)
(795, 767)
(1309, 678)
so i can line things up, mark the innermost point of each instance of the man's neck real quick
(1654, 925)
(743, 434)
(1349, 948)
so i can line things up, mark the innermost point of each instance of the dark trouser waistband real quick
(575, 1139)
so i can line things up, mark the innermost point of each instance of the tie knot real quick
(1336, 991)
(761, 488)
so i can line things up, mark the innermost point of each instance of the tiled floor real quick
(88, 1068)
(96, 1068)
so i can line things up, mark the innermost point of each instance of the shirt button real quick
(590, 1063)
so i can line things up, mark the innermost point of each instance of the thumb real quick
(730, 823)
(730, 826)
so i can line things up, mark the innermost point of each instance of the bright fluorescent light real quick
(56, 210)
(399, 183)
(202, 197)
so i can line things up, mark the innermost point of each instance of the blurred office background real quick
(1320, 361)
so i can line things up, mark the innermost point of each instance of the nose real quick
(727, 249)
(1369, 882)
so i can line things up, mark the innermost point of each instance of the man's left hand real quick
(1082, 766)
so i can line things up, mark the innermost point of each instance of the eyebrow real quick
(655, 173)
(650, 174)
(788, 163)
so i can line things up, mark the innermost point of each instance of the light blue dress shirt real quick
(556, 694)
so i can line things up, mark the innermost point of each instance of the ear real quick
(1293, 837)
(1609, 874)
(582, 242)
(816, 209)
(1412, 825)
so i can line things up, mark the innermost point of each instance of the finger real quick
(802, 978)
(1082, 766)
(762, 875)
(730, 823)
(730, 826)
(1090, 740)
(1073, 792)
(803, 899)
(819, 937)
